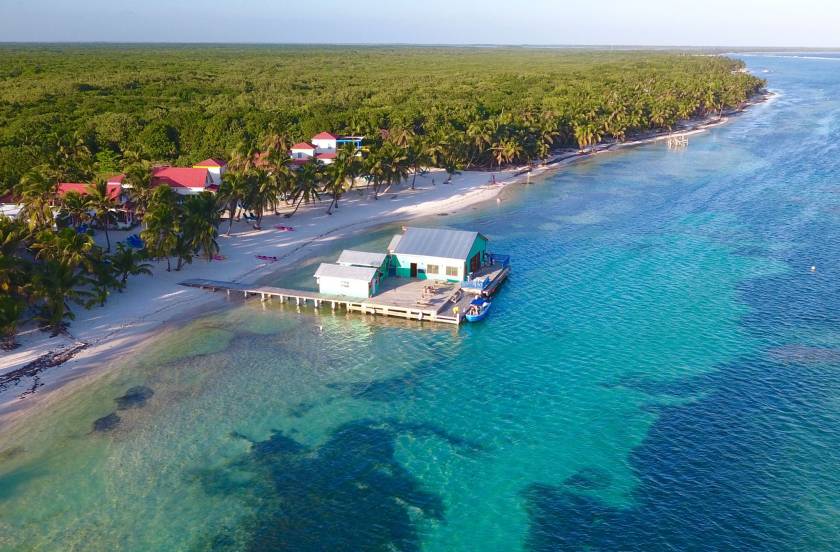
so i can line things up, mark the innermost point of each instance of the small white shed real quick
(351, 281)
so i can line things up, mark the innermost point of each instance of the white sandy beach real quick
(150, 301)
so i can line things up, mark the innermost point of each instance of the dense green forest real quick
(81, 113)
(78, 109)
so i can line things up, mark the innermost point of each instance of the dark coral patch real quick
(349, 493)
(134, 397)
(106, 423)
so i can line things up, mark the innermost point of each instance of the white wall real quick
(187, 191)
(324, 145)
(301, 154)
(343, 286)
(216, 175)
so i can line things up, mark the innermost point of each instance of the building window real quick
(452, 271)
(432, 269)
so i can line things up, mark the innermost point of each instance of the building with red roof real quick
(184, 180)
(115, 190)
(302, 152)
(123, 211)
(324, 147)
(325, 142)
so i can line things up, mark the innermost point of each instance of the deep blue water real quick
(659, 373)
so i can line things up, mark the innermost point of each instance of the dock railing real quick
(476, 283)
(496, 258)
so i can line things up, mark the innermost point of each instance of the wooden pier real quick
(677, 141)
(424, 300)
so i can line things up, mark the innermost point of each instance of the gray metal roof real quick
(329, 270)
(392, 245)
(361, 258)
(436, 242)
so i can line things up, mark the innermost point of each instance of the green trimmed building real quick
(436, 254)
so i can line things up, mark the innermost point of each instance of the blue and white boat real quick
(477, 310)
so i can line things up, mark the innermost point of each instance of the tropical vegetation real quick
(81, 113)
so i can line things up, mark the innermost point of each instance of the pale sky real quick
(780, 23)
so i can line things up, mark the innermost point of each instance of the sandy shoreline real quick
(150, 304)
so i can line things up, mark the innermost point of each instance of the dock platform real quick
(425, 300)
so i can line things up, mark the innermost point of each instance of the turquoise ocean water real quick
(659, 373)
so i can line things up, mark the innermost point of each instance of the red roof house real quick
(114, 190)
(325, 136)
(303, 146)
(183, 180)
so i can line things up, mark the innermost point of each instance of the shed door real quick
(413, 272)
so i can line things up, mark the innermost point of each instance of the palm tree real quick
(75, 205)
(138, 179)
(480, 136)
(161, 233)
(586, 134)
(127, 262)
(232, 192)
(344, 168)
(102, 205)
(261, 191)
(65, 246)
(402, 137)
(308, 183)
(398, 166)
(98, 265)
(12, 308)
(419, 155)
(14, 279)
(200, 224)
(507, 151)
(37, 189)
(376, 169)
(134, 157)
(276, 142)
(243, 157)
(56, 285)
(183, 250)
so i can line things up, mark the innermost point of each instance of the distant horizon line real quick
(428, 45)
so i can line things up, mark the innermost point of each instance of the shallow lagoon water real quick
(660, 372)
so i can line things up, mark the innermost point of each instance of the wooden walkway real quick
(373, 305)
(412, 299)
